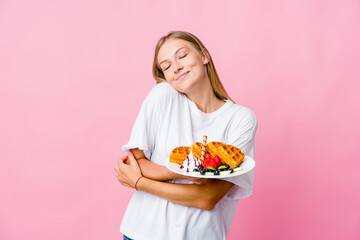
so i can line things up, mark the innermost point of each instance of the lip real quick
(182, 75)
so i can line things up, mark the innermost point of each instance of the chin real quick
(184, 87)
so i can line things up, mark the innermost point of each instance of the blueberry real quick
(202, 171)
(216, 172)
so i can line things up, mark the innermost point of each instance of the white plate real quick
(247, 165)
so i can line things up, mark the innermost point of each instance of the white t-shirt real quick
(168, 119)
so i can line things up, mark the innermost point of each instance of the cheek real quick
(168, 76)
(194, 63)
(190, 62)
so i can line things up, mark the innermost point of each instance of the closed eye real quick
(179, 57)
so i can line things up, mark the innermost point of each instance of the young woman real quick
(187, 103)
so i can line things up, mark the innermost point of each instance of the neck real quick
(204, 98)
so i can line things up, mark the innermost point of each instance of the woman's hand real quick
(198, 181)
(127, 170)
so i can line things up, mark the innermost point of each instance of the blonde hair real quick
(215, 82)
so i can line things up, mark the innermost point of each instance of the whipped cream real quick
(189, 163)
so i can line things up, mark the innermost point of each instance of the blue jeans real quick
(126, 238)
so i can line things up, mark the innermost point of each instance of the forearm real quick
(200, 196)
(154, 171)
(204, 196)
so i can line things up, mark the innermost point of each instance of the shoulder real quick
(163, 88)
(162, 91)
(244, 114)
(243, 118)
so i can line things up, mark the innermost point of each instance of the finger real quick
(131, 157)
(117, 170)
(122, 160)
(201, 181)
(125, 159)
(131, 160)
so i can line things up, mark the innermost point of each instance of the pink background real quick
(73, 75)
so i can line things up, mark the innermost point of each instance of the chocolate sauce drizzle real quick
(197, 163)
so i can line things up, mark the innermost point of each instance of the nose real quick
(177, 67)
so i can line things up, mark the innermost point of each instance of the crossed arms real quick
(204, 194)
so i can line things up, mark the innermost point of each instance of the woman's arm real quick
(152, 170)
(157, 172)
(204, 196)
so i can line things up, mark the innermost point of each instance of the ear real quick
(205, 57)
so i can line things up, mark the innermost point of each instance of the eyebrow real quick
(175, 53)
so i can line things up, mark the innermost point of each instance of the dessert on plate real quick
(178, 154)
(214, 158)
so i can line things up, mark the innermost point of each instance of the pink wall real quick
(73, 75)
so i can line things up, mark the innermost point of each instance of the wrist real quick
(172, 175)
(136, 186)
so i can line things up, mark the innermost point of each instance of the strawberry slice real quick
(212, 163)
(206, 161)
(217, 160)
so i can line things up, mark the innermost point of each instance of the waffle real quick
(178, 154)
(212, 146)
(231, 155)
(196, 149)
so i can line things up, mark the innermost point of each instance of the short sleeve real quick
(242, 136)
(144, 131)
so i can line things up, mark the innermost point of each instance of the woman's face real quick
(183, 66)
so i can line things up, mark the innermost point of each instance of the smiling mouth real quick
(182, 76)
